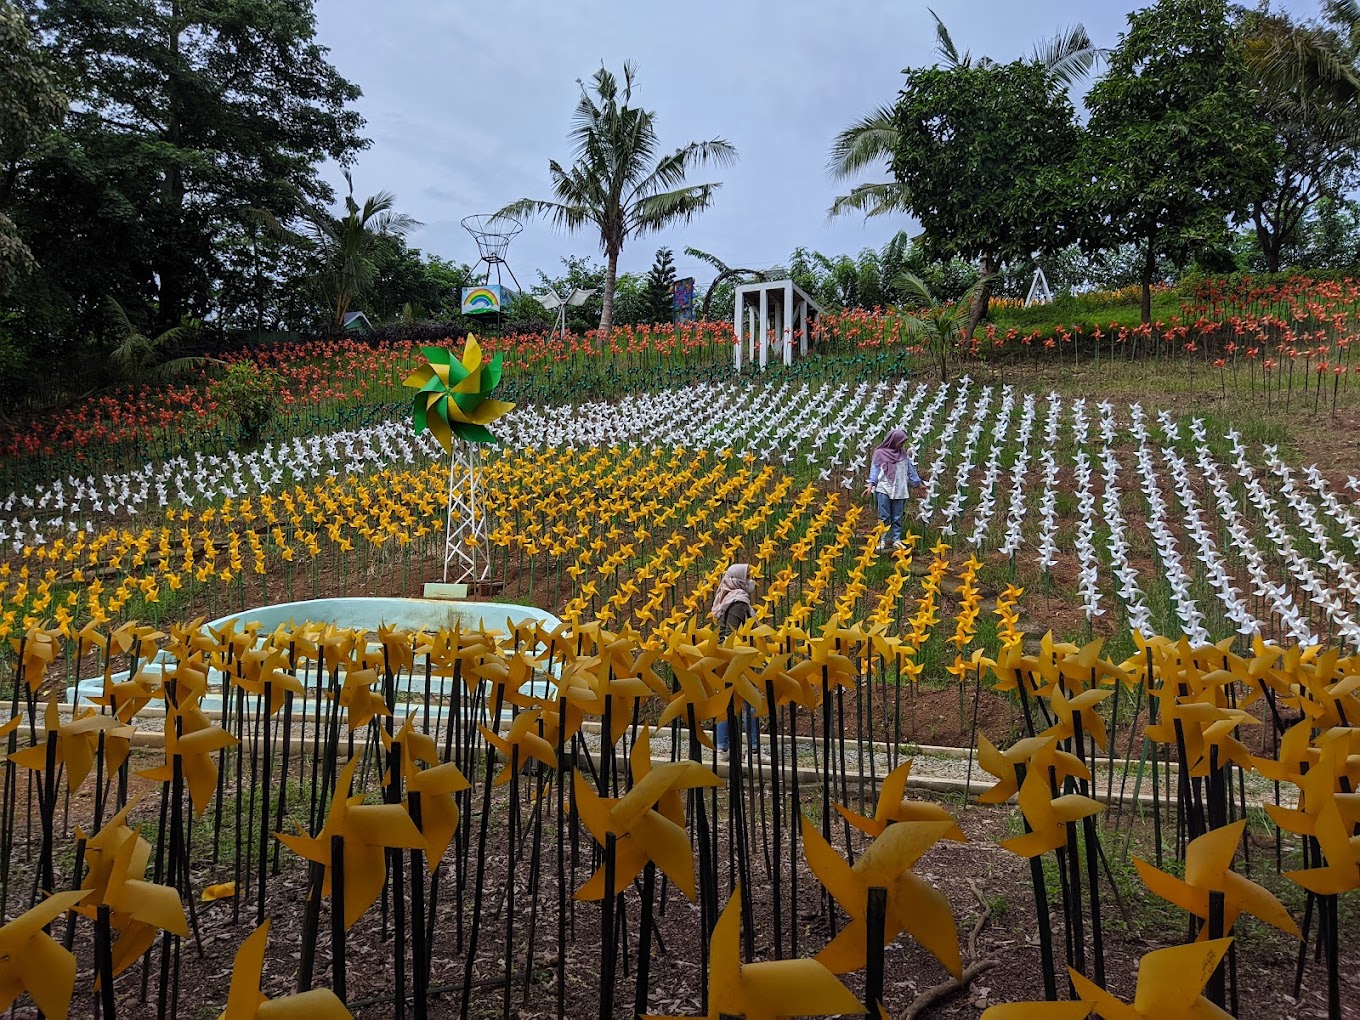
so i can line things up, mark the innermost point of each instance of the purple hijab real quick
(891, 452)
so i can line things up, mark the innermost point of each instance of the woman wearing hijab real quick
(891, 476)
(732, 608)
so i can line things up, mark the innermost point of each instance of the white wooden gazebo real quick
(776, 314)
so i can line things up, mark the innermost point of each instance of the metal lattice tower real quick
(467, 551)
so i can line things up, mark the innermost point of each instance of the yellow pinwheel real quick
(1340, 848)
(914, 905)
(1039, 752)
(1083, 706)
(77, 742)
(776, 990)
(648, 822)
(1038, 1011)
(1169, 985)
(893, 806)
(1208, 869)
(366, 830)
(138, 910)
(245, 1001)
(452, 397)
(194, 747)
(436, 786)
(1048, 816)
(522, 734)
(31, 961)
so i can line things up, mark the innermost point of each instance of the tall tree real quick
(1302, 93)
(30, 106)
(870, 141)
(659, 291)
(984, 152)
(619, 183)
(221, 105)
(349, 246)
(1176, 145)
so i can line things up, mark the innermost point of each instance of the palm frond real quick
(709, 259)
(872, 200)
(909, 283)
(1070, 55)
(868, 141)
(944, 45)
(655, 212)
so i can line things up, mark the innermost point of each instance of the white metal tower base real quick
(467, 551)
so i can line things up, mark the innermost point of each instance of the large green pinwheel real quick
(452, 394)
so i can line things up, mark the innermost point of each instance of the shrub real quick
(250, 398)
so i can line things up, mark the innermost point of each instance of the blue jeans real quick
(890, 513)
(752, 731)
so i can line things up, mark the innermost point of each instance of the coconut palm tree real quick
(347, 245)
(936, 325)
(1069, 56)
(619, 183)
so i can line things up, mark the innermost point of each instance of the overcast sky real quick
(466, 104)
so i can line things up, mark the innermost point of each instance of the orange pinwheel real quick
(1208, 869)
(31, 961)
(245, 1001)
(777, 990)
(914, 905)
(893, 806)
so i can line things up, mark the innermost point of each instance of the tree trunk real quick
(611, 278)
(982, 297)
(1149, 267)
(1271, 241)
(172, 293)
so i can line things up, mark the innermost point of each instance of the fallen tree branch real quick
(983, 918)
(944, 988)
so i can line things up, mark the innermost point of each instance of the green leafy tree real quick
(1294, 68)
(620, 184)
(1176, 144)
(659, 289)
(349, 246)
(985, 154)
(871, 141)
(31, 104)
(186, 113)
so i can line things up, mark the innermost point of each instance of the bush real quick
(250, 398)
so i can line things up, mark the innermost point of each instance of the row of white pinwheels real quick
(1258, 547)
(73, 503)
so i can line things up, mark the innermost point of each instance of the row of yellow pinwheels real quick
(1202, 691)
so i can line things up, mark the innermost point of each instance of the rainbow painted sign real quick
(481, 300)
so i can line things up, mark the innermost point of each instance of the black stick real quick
(338, 917)
(876, 916)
